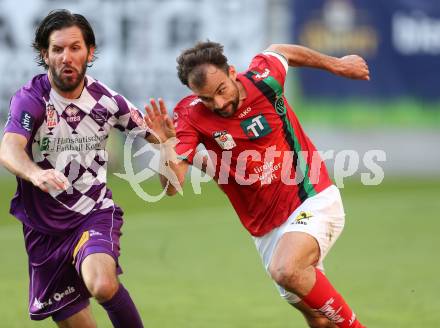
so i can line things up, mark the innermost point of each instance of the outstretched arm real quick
(351, 66)
(163, 133)
(14, 157)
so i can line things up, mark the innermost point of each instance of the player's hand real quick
(158, 121)
(49, 179)
(353, 67)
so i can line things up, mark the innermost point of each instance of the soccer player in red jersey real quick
(265, 163)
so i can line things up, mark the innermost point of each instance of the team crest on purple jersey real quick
(51, 116)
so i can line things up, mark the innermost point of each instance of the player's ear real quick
(44, 55)
(232, 72)
(91, 55)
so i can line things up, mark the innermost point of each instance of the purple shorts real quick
(56, 288)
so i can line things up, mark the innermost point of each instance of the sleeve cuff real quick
(280, 57)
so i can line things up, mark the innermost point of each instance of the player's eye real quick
(221, 91)
(205, 99)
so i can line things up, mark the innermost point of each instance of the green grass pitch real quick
(189, 264)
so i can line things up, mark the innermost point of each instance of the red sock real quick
(324, 298)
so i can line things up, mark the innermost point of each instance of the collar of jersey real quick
(242, 79)
(62, 99)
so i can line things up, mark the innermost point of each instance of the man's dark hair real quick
(192, 62)
(57, 20)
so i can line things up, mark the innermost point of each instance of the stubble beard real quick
(68, 84)
(234, 104)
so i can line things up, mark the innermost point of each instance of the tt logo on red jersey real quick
(256, 127)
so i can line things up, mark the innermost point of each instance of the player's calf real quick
(313, 318)
(292, 268)
(326, 300)
(320, 323)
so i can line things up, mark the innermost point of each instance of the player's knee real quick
(104, 288)
(287, 277)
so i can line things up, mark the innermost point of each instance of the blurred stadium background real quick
(188, 262)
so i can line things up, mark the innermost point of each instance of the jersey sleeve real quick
(25, 115)
(129, 118)
(270, 64)
(187, 135)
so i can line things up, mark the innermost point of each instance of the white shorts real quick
(321, 216)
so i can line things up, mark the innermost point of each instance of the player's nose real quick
(67, 56)
(219, 102)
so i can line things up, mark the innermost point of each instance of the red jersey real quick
(264, 162)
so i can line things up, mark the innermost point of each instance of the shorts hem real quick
(63, 312)
(70, 310)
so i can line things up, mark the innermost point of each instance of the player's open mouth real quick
(68, 71)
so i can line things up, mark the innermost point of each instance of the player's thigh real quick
(313, 317)
(310, 232)
(99, 268)
(295, 250)
(81, 319)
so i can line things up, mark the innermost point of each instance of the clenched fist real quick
(352, 67)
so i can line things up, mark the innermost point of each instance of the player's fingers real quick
(62, 178)
(366, 72)
(365, 76)
(51, 183)
(162, 106)
(154, 106)
(149, 111)
(54, 178)
(169, 123)
(148, 121)
(147, 118)
(43, 187)
(56, 183)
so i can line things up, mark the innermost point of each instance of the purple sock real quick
(122, 311)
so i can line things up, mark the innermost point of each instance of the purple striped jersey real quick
(69, 135)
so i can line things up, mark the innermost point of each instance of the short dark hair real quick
(57, 20)
(193, 60)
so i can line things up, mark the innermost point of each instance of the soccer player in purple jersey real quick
(54, 142)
